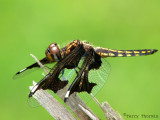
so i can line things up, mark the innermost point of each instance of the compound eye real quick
(48, 50)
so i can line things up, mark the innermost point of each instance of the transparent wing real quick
(67, 74)
(99, 77)
(25, 72)
(30, 68)
(32, 102)
(70, 74)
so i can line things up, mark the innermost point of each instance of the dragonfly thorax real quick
(53, 53)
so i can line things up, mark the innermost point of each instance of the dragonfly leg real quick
(76, 71)
(47, 67)
(61, 76)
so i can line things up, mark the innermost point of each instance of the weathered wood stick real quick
(55, 108)
(109, 112)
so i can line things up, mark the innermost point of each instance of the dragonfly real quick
(86, 63)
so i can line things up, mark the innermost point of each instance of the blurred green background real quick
(29, 26)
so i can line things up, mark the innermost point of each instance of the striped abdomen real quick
(105, 52)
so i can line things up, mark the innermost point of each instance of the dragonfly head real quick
(53, 53)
